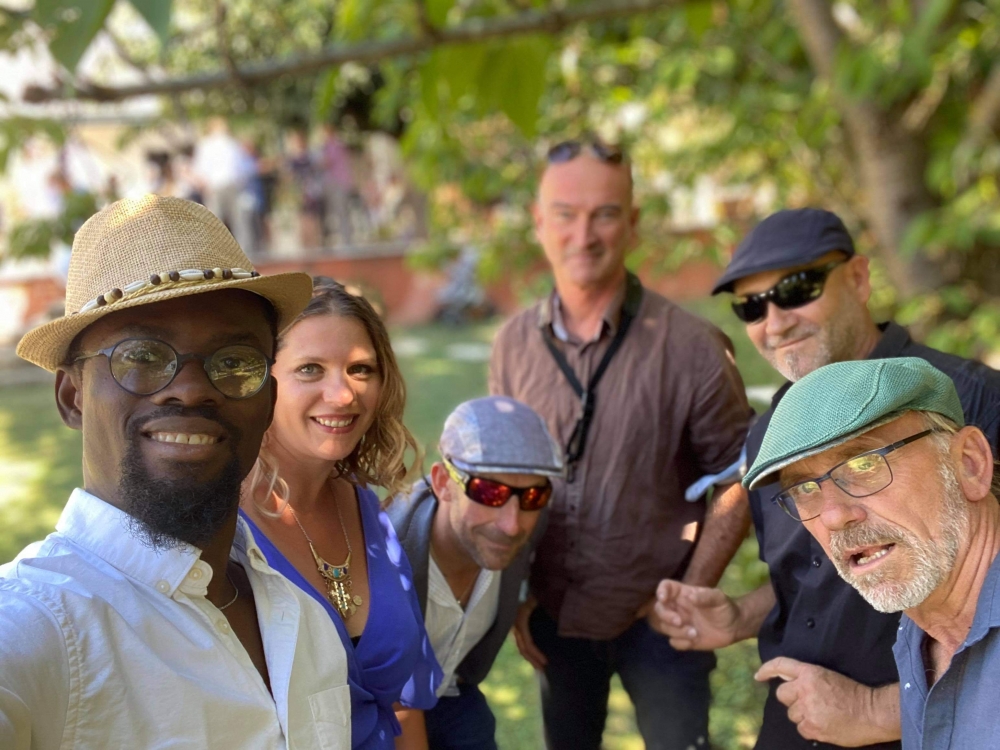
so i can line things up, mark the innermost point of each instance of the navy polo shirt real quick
(960, 711)
(818, 618)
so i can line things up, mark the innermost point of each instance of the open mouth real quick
(868, 557)
(184, 438)
(337, 424)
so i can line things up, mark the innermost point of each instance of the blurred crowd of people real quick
(337, 200)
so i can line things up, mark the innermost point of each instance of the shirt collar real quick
(891, 343)
(987, 606)
(628, 298)
(103, 530)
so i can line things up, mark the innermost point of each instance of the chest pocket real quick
(331, 712)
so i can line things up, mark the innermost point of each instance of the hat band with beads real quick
(166, 280)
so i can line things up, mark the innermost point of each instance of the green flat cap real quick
(841, 401)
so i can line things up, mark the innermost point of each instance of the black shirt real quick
(819, 619)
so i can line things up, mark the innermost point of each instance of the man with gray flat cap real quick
(468, 531)
(150, 617)
(875, 461)
(802, 291)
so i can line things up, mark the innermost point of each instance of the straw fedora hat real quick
(140, 251)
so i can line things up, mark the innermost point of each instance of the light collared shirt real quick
(958, 712)
(106, 643)
(454, 632)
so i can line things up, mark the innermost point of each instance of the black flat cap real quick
(784, 240)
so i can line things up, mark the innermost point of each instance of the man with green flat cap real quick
(875, 460)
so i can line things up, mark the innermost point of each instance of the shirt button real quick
(817, 562)
(223, 626)
(810, 623)
(195, 574)
(162, 586)
(906, 686)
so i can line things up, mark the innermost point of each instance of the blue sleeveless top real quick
(394, 660)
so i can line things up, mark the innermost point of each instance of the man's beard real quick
(833, 341)
(167, 512)
(924, 565)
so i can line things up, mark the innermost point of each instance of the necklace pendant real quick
(338, 584)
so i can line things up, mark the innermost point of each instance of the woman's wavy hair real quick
(379, 457)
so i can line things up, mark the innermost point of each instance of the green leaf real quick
(513, 80)
(437, 11)
(352, 17)
(325, 93)
(75, 24)
(460, 66)
(699, 17)
(157, 15)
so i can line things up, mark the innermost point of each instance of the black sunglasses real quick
(494, 494)
(146, 366)
(794, 290)
(569, 150)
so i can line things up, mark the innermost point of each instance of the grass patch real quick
(443, 366)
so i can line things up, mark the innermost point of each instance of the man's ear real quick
(441, 482)
(69, 400)
(973, 461)
(536, 215)
(859, 277)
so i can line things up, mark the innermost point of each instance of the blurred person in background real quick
(338, 186)
(305, 176)
(468, 531)
(221, 169)
(337, 432)
(802, 292)
(646, 398)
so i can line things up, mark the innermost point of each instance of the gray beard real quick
(898, 585)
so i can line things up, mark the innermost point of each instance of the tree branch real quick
(475, 30)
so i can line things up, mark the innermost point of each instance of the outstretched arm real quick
(726, 525)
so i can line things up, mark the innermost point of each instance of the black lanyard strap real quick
(578, 439)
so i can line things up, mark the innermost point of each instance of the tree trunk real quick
(890, 161)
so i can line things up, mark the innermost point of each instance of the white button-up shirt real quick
(454, 632)
(106, 643)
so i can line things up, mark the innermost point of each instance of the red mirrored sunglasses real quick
(495, 494)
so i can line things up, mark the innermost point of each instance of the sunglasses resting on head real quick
(794, 290)
(494, 494)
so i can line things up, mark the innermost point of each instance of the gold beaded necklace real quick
(336, 577)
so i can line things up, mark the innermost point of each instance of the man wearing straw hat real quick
(875, 461)
(150, 617)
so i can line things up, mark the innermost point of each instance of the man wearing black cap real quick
(803, 292)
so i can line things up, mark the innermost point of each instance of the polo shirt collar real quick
(103, 530)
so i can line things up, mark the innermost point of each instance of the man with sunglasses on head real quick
(646, 399)
(467, 531)
(827, 655)
(150, 617)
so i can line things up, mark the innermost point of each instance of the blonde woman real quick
(337, 430)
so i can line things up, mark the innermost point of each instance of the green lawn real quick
(442, 366)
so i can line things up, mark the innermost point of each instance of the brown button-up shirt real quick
(670, 408)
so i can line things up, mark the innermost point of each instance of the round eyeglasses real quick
(146, 366)
(860, 476)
